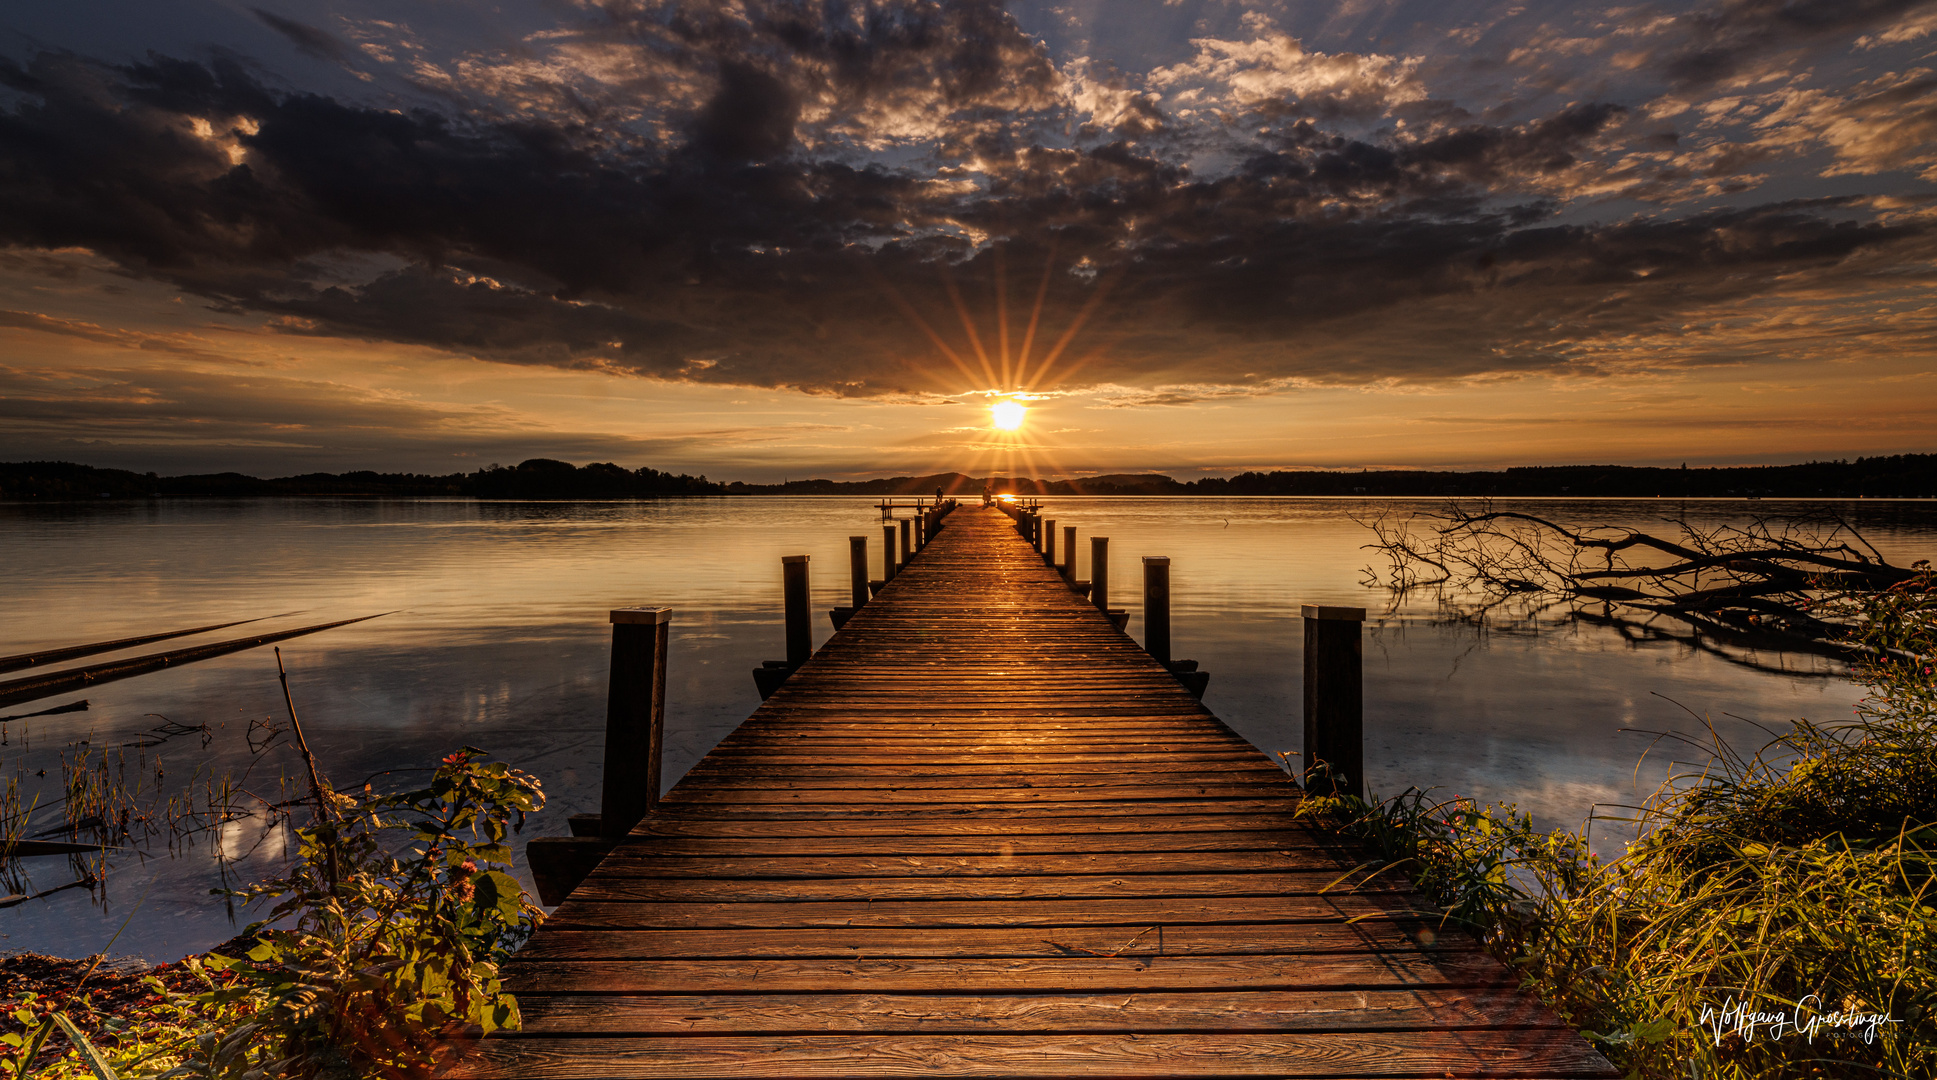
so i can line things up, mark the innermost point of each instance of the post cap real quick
(857, 539)
(1164, 559)
(793, 558)
(650, 616)
(1345, 614)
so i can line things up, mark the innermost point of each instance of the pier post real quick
(799, 619)
(1069, 553)
(859, 588)
(887, 553)
(857, 566)
(1100, 572)
(1049, 541)
(907, 533)
(1156, 607)
(920, 521)
(1335, 699)
(635, 718)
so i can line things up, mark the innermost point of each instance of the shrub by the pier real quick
(1794, 881)
(380, 946)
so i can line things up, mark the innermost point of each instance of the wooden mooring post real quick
(1048, 545)
(635, 726)
(907, 539)
(1068, 566)
(859, 588)
(800, 625)
(1100, 582)
(1156, 607)
(635, 718)
(1334, 700)
(1100, 572)
(798, 621)
(1156, 625)
(887, 553)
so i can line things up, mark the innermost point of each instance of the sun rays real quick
(1013, 378)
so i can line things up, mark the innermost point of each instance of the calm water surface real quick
(499, 640)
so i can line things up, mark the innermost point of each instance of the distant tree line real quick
(1897, 476)
(538, 478)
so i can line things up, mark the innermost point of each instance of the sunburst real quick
(1015, 375)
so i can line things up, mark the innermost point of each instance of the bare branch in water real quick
(1738, 592)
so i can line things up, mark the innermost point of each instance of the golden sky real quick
(745, 241)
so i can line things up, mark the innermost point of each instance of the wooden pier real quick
(981, 833)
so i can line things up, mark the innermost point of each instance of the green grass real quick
(1794, 880)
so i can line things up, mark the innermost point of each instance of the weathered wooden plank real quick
(617, 887)
(1149, 1013)
(904, 867)
(1080, 974)
(758, 794)
(1232, 939)
(998, 846)
(807, 772)
(600, 908)
(1527, 1053)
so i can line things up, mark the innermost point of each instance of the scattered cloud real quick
(838, 200)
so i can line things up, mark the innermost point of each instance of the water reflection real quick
(500, 636)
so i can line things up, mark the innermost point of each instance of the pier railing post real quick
(857, 565)
(1335, 699)
(1156, 607)
(907, 535)
(799, 618)
(635, 718)
(1069, 553)
(887, 553)
(1049, 541)
(1100, 572)
(858, 586)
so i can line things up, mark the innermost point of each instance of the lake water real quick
(499, 639)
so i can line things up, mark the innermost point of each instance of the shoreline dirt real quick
(115, 988)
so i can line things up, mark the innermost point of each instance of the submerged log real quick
(72, 652)
(61, 682)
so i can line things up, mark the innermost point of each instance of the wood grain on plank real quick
(997, 975)
(1527, 1053)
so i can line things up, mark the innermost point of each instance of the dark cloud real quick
(309, 40)
(1721, 40)
(735, 231)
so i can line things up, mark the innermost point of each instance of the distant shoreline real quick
(1902, 476)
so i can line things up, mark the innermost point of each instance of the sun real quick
(1007, 415)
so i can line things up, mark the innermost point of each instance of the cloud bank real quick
(918, 197)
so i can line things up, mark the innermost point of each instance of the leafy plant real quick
(397, 916)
